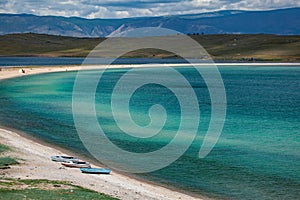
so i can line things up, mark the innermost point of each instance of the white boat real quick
(63, 158)
(76, 164)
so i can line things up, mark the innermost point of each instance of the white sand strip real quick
(10, 72)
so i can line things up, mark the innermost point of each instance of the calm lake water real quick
(256, 157)
(41, 61)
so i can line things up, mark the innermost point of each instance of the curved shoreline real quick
(35, 163)
(34, 156)
(121, 186)
(11, 72)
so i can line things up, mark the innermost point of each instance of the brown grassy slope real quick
(259, 46)
(220, 47)
(29, 44)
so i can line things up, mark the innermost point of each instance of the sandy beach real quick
(10, 72)
(36, 164)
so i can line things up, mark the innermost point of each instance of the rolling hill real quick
(222, 47)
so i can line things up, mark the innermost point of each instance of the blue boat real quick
(95, 170)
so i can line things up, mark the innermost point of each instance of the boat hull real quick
(64, 159)
(75, 165)
(95, 170)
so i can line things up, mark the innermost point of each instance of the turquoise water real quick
(256, 157)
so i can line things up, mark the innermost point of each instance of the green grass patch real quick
(6, 161)
(54, 194)
(45, 189)
(3, 148)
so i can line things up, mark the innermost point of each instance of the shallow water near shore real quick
(256, 157)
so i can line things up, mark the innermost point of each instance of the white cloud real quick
(263, 5)
(135, 8)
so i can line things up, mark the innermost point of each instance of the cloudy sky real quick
(135, 8)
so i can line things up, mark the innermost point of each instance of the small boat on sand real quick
(63, 158)
(95, 170)
(76, 164)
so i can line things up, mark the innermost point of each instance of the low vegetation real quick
(222, 47)
(3, 148)
(13, 189)
(6, 161)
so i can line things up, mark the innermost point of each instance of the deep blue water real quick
(40, 61)
(256, 157)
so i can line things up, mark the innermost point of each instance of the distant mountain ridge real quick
(281, 22)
